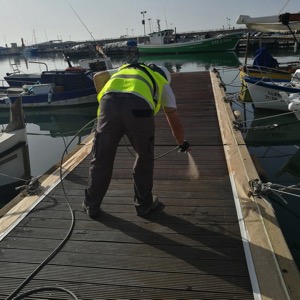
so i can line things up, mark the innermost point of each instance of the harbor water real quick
(50, 131)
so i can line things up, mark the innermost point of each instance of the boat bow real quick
(275, 23)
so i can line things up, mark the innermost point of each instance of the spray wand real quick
(185, 147)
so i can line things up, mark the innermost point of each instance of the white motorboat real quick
(14, 157)
(266, 93)
(275, 23)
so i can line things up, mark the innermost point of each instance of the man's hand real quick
(184, 147)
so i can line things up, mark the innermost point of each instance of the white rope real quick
(5, 175)
(259, 188)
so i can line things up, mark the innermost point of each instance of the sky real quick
(39, 21)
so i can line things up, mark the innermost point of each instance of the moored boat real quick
(265, 68)
(274, 23)
(82, 50)
(18, 78)
(267, 93)
(72, 86)
(163, 42)
(14, 157)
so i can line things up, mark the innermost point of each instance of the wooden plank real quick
(106, 291)
(276, 271)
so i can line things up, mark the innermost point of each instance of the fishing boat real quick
(267, 93)
(14, 157)
(263, 74)
(71, 86)
(18, 78)
(265, 67)
(163, 42)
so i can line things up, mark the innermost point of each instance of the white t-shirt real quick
(168, 97)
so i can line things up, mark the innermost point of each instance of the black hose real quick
(157, 157)
(46, 288)
(58, 248)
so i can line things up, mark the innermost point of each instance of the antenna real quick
(46, 35)
(158, 24)
(284, 6)
(82, 23)
(167, 26)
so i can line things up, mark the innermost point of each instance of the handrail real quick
(39, 62)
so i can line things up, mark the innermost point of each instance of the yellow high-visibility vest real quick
(136, 81)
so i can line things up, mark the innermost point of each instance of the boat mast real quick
(83, 23)
(158, 24)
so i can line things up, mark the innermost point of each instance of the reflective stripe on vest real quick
(136, 77)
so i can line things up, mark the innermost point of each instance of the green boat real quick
(205, 59)
(163, 42)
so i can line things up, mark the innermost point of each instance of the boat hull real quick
(59, 120)
(267, 94)
(78, 97)
(208, 59)
(269, 129)
(18, 80)
(262, 73)
(218, 44)
(271, 23)
(267, 73)
(13, 157)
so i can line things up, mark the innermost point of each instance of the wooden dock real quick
(212, 240)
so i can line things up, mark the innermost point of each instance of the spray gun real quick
(185, 147)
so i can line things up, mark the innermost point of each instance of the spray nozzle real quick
(184, 147)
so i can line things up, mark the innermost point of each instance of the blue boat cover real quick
(264, 59)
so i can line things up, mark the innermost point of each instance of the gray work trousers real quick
(122, 114)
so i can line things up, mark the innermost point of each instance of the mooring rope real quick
(265, 190)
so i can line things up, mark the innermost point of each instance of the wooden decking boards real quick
(192, 249)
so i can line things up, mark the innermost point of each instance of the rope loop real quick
(32, 187)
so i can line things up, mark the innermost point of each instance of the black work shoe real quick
(92, 212)
(155, 205)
